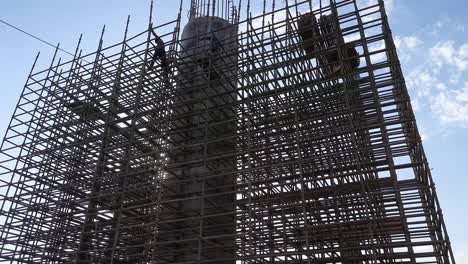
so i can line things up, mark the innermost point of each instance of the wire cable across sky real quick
(36, 37)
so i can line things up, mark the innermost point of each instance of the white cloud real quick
(422, 81)
(462, 96)
(412, 42)
(463, 51)
(397, 41)
(390, 5)
(406, 46)
(441, 86)
(461, 253)
(416, 104)
(409, 42)
(451, 106)
(445, 52)
(440, 83)
(424, 136)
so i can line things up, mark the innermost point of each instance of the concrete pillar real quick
(204, 225)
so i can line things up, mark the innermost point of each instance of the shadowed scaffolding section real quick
(282, 137)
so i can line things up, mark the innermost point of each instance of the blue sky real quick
(432, 41)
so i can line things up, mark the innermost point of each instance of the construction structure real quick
(285, 136)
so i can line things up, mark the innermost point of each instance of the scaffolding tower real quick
(285, 136)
